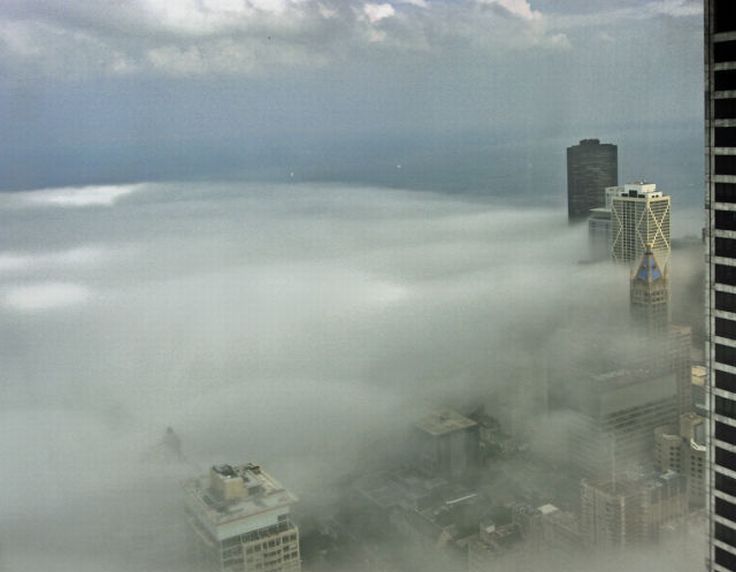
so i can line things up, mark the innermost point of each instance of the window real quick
(726, 354)
(725, 534)
(725, 407)
(725, 509)
(725, 137)
(726, 192)
(725, 380)
(726, 220)
(726, 484)
(725, 164)
(725, 328)
(724, 52)
(725, 559)
(726, 459)
(725, 18)
(725, 433)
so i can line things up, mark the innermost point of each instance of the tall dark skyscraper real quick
(720, 204)
(591, 167)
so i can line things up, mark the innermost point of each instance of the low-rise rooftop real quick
(443, 421)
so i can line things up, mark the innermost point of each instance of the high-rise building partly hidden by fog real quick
(640, 218)
(720, 202)
(239, 520)
(650, 295)
(591, 167)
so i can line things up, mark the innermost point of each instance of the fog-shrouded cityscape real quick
(348, 286)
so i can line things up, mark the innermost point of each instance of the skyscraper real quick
(239, 521)
(720, 202)
(640, 216)
(650, 295)
(591, 167)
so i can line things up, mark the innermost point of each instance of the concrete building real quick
(446, 444)
(649, 295)
(239, 519)
(631, 511)
(682, 449)
(591, 167)
(698, 385)
(679, 344)
(612, 432)
(720, 204)
(640, 216)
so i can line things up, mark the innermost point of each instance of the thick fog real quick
(296, 326)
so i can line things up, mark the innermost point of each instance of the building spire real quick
(649, 294)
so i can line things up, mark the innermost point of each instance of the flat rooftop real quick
(443, 421)
(264, 495)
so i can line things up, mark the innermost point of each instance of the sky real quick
(451, 95)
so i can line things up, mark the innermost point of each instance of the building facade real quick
(720, 203)
(612, 433)
(630, 511)
(239, 521)
(599, 233)
(591, 167)
(682, 449)
(446, 443)
(640, 217)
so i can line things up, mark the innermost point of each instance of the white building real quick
(640, 215)
(239, 521)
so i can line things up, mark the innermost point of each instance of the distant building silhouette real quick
(591, 167)
(446, 443)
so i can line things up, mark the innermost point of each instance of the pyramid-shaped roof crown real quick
(649, 270)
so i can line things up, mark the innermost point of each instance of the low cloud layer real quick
(288, 325)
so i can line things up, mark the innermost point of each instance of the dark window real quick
(725, 247)
(725, 380)
(725, 433)
(726, 354)
(726, 509)
(725, 534)
(726, 220)
(725, 193)
(725, 164)
(726, 484)
(726, 274)
(725, 80)
(724, 52)
(725, 407)
(725, 459)
(724, 18)
(724, 109)
(725, 559)
(725, 137)
(725, 328)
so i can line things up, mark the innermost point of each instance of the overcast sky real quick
(95, 92)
